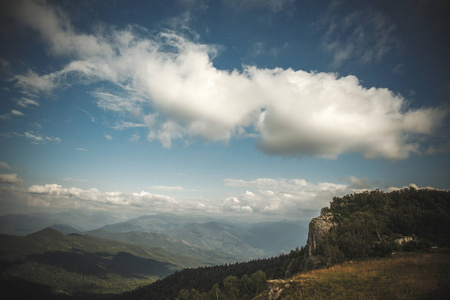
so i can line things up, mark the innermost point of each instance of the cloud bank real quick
(170, 84)
(288, 197)
(10, 178)
(59, 196)
(261, 198)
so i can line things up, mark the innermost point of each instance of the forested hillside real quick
(202, 280)
(374, 224)
(50, 264)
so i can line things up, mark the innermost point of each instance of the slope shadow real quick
(99, 264)
(22, 289)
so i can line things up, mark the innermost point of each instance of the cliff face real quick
(318, 227)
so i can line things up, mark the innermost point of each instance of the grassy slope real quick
(402, 276)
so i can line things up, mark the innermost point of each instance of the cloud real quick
(58, 196)
(4, 165)
(127, 125)
(74, 179)
(170, 84)
(25, 102)
(445, 148)
(358, 183)
(14, 112)
(271, 5)
(37, 138)
(398, 69)
(108, 137)
(17, 113)
(59, 192)
(81, 149)
(364, 34)
(135, 138)
(10, 178)
(166, 188)
(32, 83)
(286, 197)
(413, 186)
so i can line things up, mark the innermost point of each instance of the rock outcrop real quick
(318, 228)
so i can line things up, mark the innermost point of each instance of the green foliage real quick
(233, 289)
(369, 222)
(203, 279)
(295, 261)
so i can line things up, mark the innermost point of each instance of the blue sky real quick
(252, 109)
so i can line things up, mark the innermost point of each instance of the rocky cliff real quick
(318, 227)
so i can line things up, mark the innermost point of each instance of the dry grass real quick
(402, 276)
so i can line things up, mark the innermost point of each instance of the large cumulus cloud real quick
(169, 84)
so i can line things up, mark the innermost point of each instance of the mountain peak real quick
(48, 233)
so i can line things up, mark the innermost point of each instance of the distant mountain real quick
(277, 237)
(215, 236)
(156, 223)
(248, 241)
(187, 254)
(242, 241)
(80, 220)
(77, 264)
(65, 229)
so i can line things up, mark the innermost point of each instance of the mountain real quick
(189, 255)
(79, 220)
(214, 236)
(277, 237)
(156, 223)
(77, 264)
(241, 240)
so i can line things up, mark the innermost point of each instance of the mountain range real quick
(66, 259)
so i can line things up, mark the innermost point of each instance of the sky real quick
(259, 110)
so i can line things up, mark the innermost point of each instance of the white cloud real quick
(282, 196)
(108, 137)
(414, 186)
(10, 178)
(14, 112)
(17, 113)
(57, 196)
(166, 188)
(171, 85)
(74, 179)
(37, 138)
(81, 149)
(25, 102)
(358, 183)
(32, 83)
(127, 125)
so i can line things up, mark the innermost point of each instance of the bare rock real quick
(318, 228)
